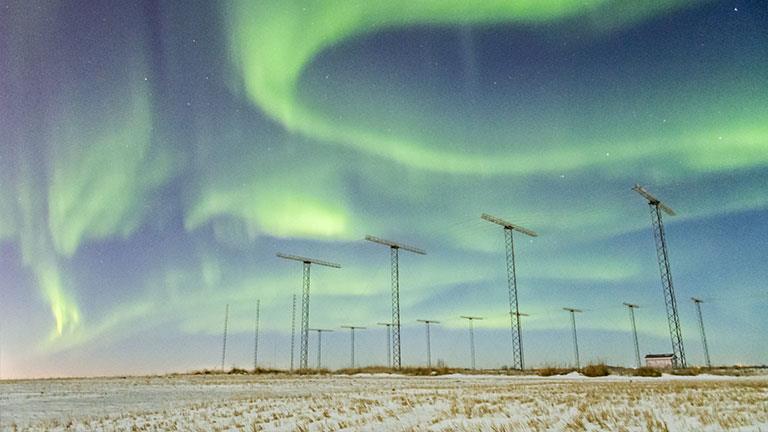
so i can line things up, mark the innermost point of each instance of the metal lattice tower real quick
(632, 308)
(519, 324)
(305, 300)
(662, 255)
(304, 339)
(389, 340)
(394, 247)
(293, 329)
(256, 338)
(698, 303)
(352, 342)
(224, 344)
(320, 344)
(429, 341)
(514, 309)
(471, 319)
(575, 339)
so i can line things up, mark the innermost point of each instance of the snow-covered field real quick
(383, 402)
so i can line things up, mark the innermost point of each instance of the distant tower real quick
(514, 309)
(472, 337)
(698, 303)
(632, 308)
(394, 247)
(320, 345)
(293, 329)
(352, 342)
(429, 343)
(224, 344)
(662, 254)
(305, 299)
(389, 340)
(256, 339)
(575, 339)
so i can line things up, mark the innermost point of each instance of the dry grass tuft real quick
(691, 371)
(595, 370)
(410, 371)
(309, 371)
(647, 372)
(551, 371)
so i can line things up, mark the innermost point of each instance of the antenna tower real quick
(256, 338)
(352, 334)
(514, 310)
(224, 345)
(632, 308)
(575, 339)
(394, 247)
(389, 340)
(305, 299)
(293, 329)
(320, 344)
(429, 344)
(698, 303)
(662, 255)
(472, 336)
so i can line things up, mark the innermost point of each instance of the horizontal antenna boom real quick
(508, 225)
(308, 260)
(653, 200)
(396, 245)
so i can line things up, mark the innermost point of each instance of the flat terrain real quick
(383, 402)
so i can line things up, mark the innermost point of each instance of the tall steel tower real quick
(389, 341)
(698, 303)
(224, 344)
(472, 336)
(305, 299)
(575, 339)
(429, 341)
(632, 308)
(293, 328)
(320, 344)
(514, 309)
(394, 247)
(662, 254)
(520, 332)
(256, 338)
(352, 335)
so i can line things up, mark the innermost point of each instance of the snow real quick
(380, 402)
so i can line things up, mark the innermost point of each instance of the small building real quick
(660, 361)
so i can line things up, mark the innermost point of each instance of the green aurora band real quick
(101, 169)
(272, 42)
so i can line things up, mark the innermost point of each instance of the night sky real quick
(155, 155)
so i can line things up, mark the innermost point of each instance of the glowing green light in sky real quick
(273, 41)
(102, 176)
(282, 214)
(64, 309)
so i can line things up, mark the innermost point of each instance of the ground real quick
(385, 402)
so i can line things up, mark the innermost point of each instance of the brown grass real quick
(551, 371)
(326, 404)
(410, 371)
(691, 371)
(647, 372)
(595, 370)
(310, 371)
(233, 371)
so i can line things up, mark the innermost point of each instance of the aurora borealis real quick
(155, 155)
